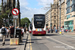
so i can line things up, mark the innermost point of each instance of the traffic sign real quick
(15, 16)
(15, 11)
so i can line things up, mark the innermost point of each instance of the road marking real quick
(47, 37)
(39, 37)
(62, 43)
(30, 43)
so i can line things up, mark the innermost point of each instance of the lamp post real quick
(60, 18)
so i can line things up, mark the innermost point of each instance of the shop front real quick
(68, 25)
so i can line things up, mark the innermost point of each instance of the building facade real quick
(63, 12)
(47, 16)
(55, 13)
(69, 22)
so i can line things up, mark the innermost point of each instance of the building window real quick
(73, 16)
(54, 22)
(73, 1)
(68, 10)
(68, 16)
(54, 17)
(54, 9)
(54, 13)
(68, 0)
(73, 7)
(68, 4)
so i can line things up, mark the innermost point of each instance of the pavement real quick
(69, 33)
(7, 45)
(65, 33)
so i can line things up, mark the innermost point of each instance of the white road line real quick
(47, 37)
(61, 43)
(39, 37)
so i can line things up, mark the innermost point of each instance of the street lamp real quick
(60, 18)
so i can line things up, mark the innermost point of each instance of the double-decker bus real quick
(30, 28)
(39, 26)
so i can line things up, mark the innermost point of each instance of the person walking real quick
(3, 32)
(19, 33)
(7, 32)
(25, 30)
(22, 31)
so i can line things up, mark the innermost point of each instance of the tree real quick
(25, 20)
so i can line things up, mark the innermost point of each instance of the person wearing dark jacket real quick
(12, 32)
(25, 29)
(3, 32)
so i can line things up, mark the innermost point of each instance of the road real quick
(51, 42)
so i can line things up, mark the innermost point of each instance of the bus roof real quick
(39, 14)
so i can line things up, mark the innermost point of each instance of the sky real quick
(30, 7)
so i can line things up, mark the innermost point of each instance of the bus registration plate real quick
(39, 33)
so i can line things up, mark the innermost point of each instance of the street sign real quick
(15, 16)
(15, 11)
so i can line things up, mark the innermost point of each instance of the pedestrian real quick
(3, 32)
(56, 30)
(12, 31)
(25, 30)
(49, 30)
(19, 33)
(22, 31)
(7, 32)
(0, 30)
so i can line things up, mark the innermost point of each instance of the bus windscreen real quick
(39, 21)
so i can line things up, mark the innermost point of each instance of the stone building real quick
(55, 13)
(47, 16)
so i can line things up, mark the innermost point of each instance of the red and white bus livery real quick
(30, 28)
(39, 26)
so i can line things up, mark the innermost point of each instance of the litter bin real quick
(18, 34)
